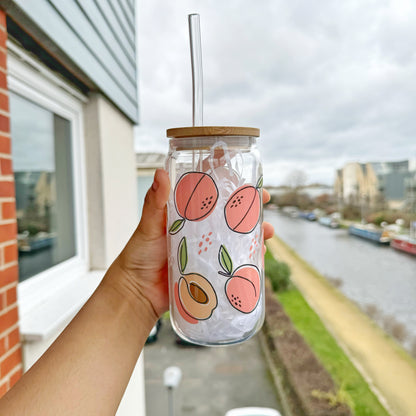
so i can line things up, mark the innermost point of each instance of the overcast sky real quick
(327, 82)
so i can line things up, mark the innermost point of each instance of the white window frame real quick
(34, 81)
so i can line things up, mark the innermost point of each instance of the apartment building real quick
(376, 183)
(68, 191)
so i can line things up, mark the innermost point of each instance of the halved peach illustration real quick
(243, 286)
(242, 210)
(195, 196)
(180, 308)
(194, 295)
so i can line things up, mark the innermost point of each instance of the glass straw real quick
(196, 62)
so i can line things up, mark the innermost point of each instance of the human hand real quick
(144, 259)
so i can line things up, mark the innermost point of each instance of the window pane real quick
(42, 162)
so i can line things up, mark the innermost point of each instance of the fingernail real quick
(155, 185)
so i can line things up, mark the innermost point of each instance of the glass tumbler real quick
(215, 238)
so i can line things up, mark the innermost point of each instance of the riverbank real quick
(389, 370)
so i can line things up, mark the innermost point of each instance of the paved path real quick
(214, 379)
(385, 365)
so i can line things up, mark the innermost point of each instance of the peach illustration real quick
(242, 211)
(195, 195)
(181, 310)
(194, 295)
(197, 296)
(243, 286)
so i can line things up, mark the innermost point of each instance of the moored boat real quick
(369, 232)
(307, 215)
(291, 211)
(29, 244)
(404, 243)
(329, 222)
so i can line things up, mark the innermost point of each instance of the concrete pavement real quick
(214, 380)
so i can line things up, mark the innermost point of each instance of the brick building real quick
(10, 346)
(68, 191)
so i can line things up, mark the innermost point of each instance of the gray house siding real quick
(98, 36)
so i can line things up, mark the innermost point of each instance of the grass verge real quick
(399, 349)
(306, 321)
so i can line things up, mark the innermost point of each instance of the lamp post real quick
(171, 379)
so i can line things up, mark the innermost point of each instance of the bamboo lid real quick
(198, 131)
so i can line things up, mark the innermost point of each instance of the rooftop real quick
(150, 160)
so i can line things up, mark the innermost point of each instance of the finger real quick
(153, 214)
(268, 230)
(266, 197)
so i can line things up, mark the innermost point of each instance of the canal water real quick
(381, 280)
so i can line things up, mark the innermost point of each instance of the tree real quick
(322, 201)
(296, 179)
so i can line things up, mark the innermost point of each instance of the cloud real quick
(327, 82)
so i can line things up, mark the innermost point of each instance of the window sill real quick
(41, 320)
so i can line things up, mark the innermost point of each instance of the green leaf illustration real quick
(225, 260)
(260, 182)
(176, 226)
(182, 255)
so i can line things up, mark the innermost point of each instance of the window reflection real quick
(42, 164)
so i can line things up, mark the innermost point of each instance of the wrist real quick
(124, 290)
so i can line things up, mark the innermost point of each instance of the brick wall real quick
(10, 348)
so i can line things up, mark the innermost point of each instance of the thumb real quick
(153, 221)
